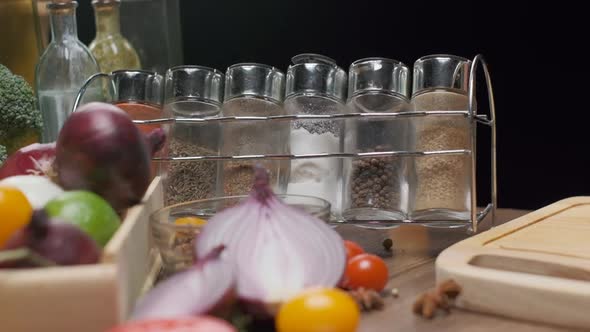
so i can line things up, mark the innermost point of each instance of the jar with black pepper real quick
(253, 89)
(316, 86)
(192, 92)
(376, 188)
(442, 182)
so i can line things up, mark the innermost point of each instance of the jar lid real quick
(194, 82)
(138, 85)
(378, 75)
(441, 71)
(315, 74)
(105, 2)
(254, 80)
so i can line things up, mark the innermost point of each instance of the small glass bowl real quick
(176, 241)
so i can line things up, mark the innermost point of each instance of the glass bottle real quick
(376, 188)
(316, 86)
(253, 89)
(109, 47)
(192, 92)
(18, 40)
(443, 183)
(62, 69)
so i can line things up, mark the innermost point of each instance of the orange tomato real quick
(366, 271)
(352, 249)
(15, 212)
(319, 310)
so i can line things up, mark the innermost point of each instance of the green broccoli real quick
(20, 120)
(3, 154)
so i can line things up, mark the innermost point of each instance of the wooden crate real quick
(85, 298)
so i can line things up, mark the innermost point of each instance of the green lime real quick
(88, 211)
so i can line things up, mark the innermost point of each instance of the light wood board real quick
(536, 267)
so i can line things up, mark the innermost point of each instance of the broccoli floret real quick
(3, 154)
(20, 120)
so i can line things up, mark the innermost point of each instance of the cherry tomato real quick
(352, 249)
(319, 310)
(196, 324)
(15, 212)
(366, 271)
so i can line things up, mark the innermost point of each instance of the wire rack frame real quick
(470, 113)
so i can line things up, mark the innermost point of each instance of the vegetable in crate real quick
(88, 211)
(277, 250)
(54, 240)
(34, 159)
(100, 149)
(15, 212)
(20, 121)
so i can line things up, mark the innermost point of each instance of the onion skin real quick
(100, 149)
(34, 159)
(205, 288)
(277, 250)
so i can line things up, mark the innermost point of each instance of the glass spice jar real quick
(316, 86)
(253, 89)
(192, 92)
(442, 182)
(377, 188)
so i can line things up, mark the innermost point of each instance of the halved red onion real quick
(34, 159)
(277, 250)
(205, 288)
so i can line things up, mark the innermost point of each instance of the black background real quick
(533, 50)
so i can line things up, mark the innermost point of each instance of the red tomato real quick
(195, 324)
(366, 271)
(352, 249)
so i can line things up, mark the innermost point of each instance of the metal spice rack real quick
(471, 113)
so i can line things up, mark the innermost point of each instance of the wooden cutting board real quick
(536, 267)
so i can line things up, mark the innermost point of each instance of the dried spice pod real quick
(441, 297)
(367, 299)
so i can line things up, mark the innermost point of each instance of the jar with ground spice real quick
(316, 86)
(192, 92)
(443, 182)
(377, 188)
(253, 89)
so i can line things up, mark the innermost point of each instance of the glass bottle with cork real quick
(111, 49)
(377, 188)
(443, 183)
(316, 86)
(62, 69)
(253, 89)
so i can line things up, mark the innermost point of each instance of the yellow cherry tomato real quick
(15, 212)
(319, 310)
(194, 221)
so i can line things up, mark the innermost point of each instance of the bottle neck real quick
(63, 24)
(107, 19)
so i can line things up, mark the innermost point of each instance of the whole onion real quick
(277, 250)
(100, 149)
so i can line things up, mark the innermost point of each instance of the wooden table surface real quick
(411, 265)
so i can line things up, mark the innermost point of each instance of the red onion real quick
(34, 159)
(277, 250)
(205, 288)
(100, 149)
(55, 240)
(187, 324)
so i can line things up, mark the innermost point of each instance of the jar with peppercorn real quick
(376, 188)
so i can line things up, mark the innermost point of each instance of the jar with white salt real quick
(253, 89)
(316, 86)
(442, 182)
(376, 188)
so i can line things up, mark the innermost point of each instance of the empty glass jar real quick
(377, 188)
(316, 86)
(192, 92)
(253, 89)
(443, 182)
